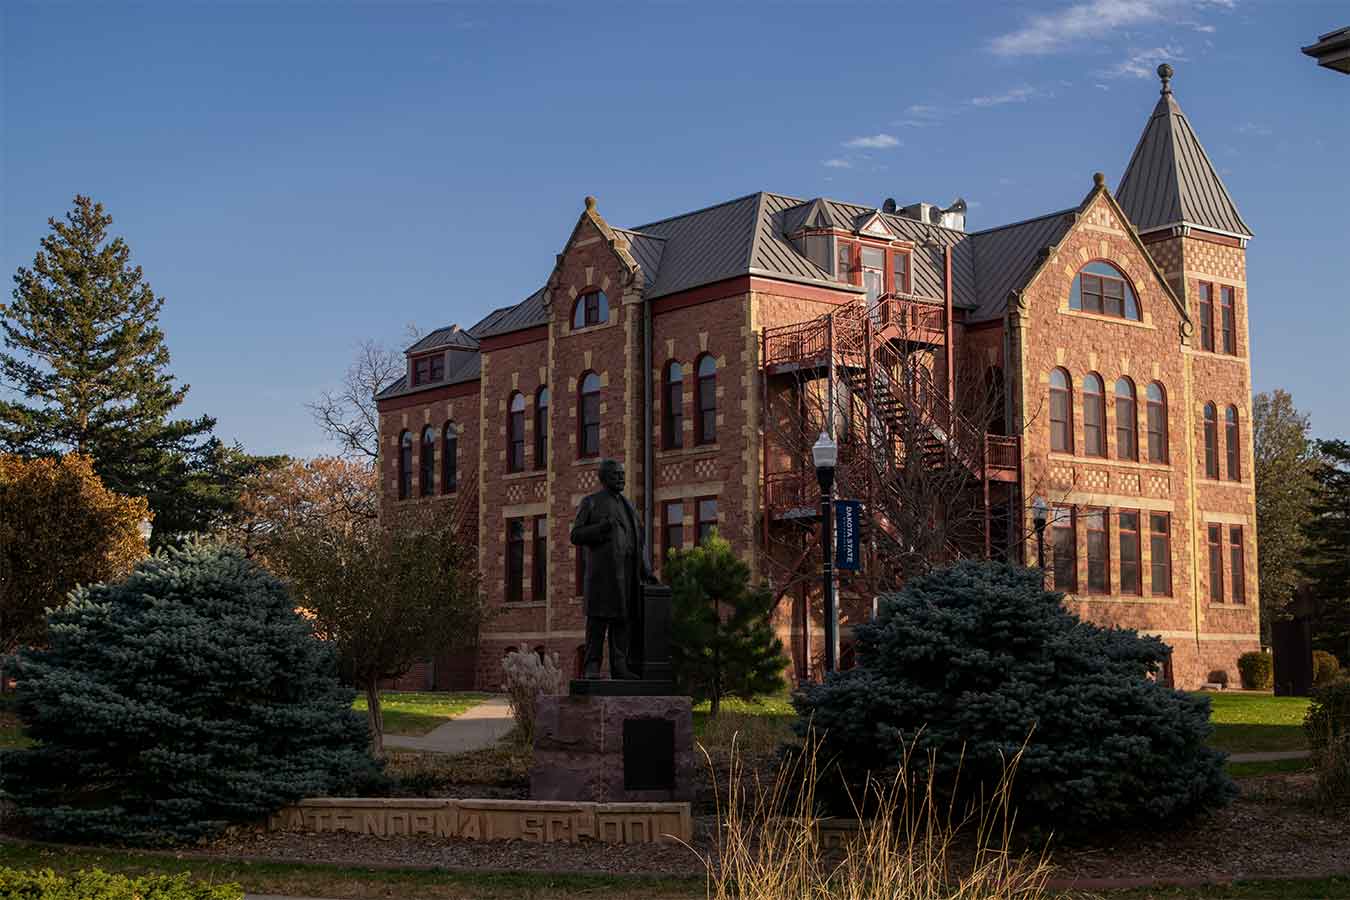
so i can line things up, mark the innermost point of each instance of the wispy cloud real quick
(1254, 129)
(1094, 20)
(837, 164)
(923, 110)
(1143, 63)
(873, 142)
(1015, 95)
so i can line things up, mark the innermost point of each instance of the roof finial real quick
(1099, 179)
(590, 202)
(1165, 73)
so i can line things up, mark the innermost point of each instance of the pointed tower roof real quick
(1170, 180)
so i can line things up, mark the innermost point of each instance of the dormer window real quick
(429, 369)
(1101, 288)
(591, 309)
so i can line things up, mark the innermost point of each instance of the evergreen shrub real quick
(1328, 715)
(18, 884)
(187, 697)
(1257, 670)
(1326, 667)
(966, 665)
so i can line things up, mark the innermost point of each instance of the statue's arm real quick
(584, 531)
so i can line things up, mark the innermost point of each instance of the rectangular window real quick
(1093, 300)
(1216, 563)
(900, 272)
(874, 272)
(1064, 548)
(421, 371)
(1113, 297)
(1098, 552)
(1160, 549)
(672, 528)
(843, 265)
(437, 367)
(706, 520)
(1130, 581)
(515, 560)
(1227, 320)
(1206, 316)
(539, 571)
(1237, 572)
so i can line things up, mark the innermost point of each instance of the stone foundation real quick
(491, 820)
(613, 749)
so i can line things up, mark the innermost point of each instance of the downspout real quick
(647, 450)
(951, 330)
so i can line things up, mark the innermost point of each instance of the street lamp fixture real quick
(1039, 514)
(825, 455)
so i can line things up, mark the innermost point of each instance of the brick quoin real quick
(723, 319)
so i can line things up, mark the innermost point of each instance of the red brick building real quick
(1095, 358)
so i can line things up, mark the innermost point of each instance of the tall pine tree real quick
(83, 348)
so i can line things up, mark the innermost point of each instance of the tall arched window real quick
(1211, 442)
(541, 428)
(405, 442)
(705, 397)
(1127, 420)
(426, 475)
(515, 433)
(1094, 415)
(591, 308)
(1061, 412)
(1233, 444)
(672, 406)
(449, 458)
(1101, 288)
(588, 415)
(1157, 423)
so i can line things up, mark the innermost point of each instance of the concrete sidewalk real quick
(479, 728)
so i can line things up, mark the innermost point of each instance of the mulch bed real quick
(1269, 831)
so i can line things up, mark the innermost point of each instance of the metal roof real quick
(450, 336)
(528, 313)
(704, 246)
(1005, 256)
(1170, 180)
(1332, 50)
(647, 249)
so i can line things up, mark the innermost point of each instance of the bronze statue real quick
(608, 531)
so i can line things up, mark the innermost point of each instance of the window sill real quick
(585, 461)
(679, 452)
(1213, 605)
(1102, 317)
(591, 328)
(1118, 598)
(522, 476)
(1220, 482)
(1216, 354)
(524, 604)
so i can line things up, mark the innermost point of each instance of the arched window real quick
(449, 458)
(705, 396)
(1094, 415)
(1211, 442)
(672, 407)
(541, 428)
(426, 480)
(591, 309)
(1101, 288)
(1061, 412)
(515, 433)
(1233, 444)
(405, 442)
(1157, 423)
(588, 415)
(1127, 420)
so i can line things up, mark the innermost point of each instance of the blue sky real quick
(296, 177)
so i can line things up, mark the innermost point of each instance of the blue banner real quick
(848, 535)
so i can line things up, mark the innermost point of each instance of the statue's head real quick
(611, 475)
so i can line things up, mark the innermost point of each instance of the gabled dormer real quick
(873, 225)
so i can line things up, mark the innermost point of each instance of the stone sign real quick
(541, 822)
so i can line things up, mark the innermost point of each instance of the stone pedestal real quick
(613, 749)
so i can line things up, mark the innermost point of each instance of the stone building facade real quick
(1113, 336)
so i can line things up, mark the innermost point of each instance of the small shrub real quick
(1326, 667)
(1257, 670)
(1328, 716)
(963, 664)
(1219, 677)
(1333, 772)
(526, 677)
(85, 884)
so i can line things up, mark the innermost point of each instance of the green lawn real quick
(1252, 723)
(416, 713)
(757, 727)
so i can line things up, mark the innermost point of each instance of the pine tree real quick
(1327, 562)
(185, 698)
(722, 643)
(86, 353)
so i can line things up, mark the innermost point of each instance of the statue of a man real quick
(607, 530)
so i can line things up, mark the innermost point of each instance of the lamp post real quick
(1039, 513)
(825, 455)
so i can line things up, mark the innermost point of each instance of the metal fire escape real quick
(865, 374)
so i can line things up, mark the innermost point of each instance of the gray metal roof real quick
(460, 366)
(704, 246)
(528, 313)
(647, 249)
(1004, 258)
(450, 336)
(1170, 180)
